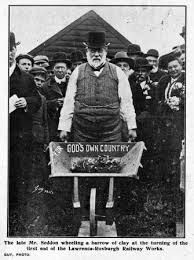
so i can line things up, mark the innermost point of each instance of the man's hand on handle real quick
(63, 135)
(132, 135)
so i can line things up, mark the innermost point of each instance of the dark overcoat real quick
(145, 110)
(20, 133)
(22, 84)
(138, 97)
(52, 91)
(40, 124)
(156, 76)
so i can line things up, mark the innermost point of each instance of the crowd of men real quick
(88, 97)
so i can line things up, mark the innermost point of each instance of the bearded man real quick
(155, 74)
(98, 103)
(98, 98)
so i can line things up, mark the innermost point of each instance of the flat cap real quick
(25, 56)
(38, 70)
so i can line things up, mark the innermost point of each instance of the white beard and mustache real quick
(96, 63)
(155, 69)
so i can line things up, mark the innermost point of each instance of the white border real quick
(180, 252)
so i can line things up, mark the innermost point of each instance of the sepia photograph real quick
(96, 119)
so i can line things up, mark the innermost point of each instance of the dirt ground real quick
(143, 208)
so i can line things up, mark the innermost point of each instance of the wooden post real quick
(93, 223)
(110, 201)
(76, 202)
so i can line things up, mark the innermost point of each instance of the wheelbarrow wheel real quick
(93, 222)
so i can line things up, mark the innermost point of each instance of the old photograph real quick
(96, 121)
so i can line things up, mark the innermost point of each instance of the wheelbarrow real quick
(64, 155)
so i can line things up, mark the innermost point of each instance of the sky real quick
(149, 26)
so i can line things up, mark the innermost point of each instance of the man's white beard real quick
(96, 63)
(155, 69)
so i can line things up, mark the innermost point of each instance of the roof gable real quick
(72, 36)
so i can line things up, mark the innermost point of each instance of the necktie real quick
(98, 68)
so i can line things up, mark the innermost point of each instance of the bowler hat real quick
(153, 53)
(12, 42)
(25, 56)
(60, 57)
(41, 60)
(96, 40)
(122, 56)
(76, 56)
(38, 70)
(142, 63)
(134, 49)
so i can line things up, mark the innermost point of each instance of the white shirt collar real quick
(174, 79)
(60, 80)
(12, 68)
(142, 84)
(97, 73)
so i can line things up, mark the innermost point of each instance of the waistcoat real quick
(97, 91)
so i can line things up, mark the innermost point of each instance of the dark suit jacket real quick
(137, 93)
(155, 77)
(22, 84)
(169, 120)
(40, 124)
(52, 91)
(140, 102)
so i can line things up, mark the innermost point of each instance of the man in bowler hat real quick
(155, 74)
(122, 60)
(98, 98)
(55, 90)
(77, 58)
(134, 51)
(142, 69)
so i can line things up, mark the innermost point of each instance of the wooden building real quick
(71, 38)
